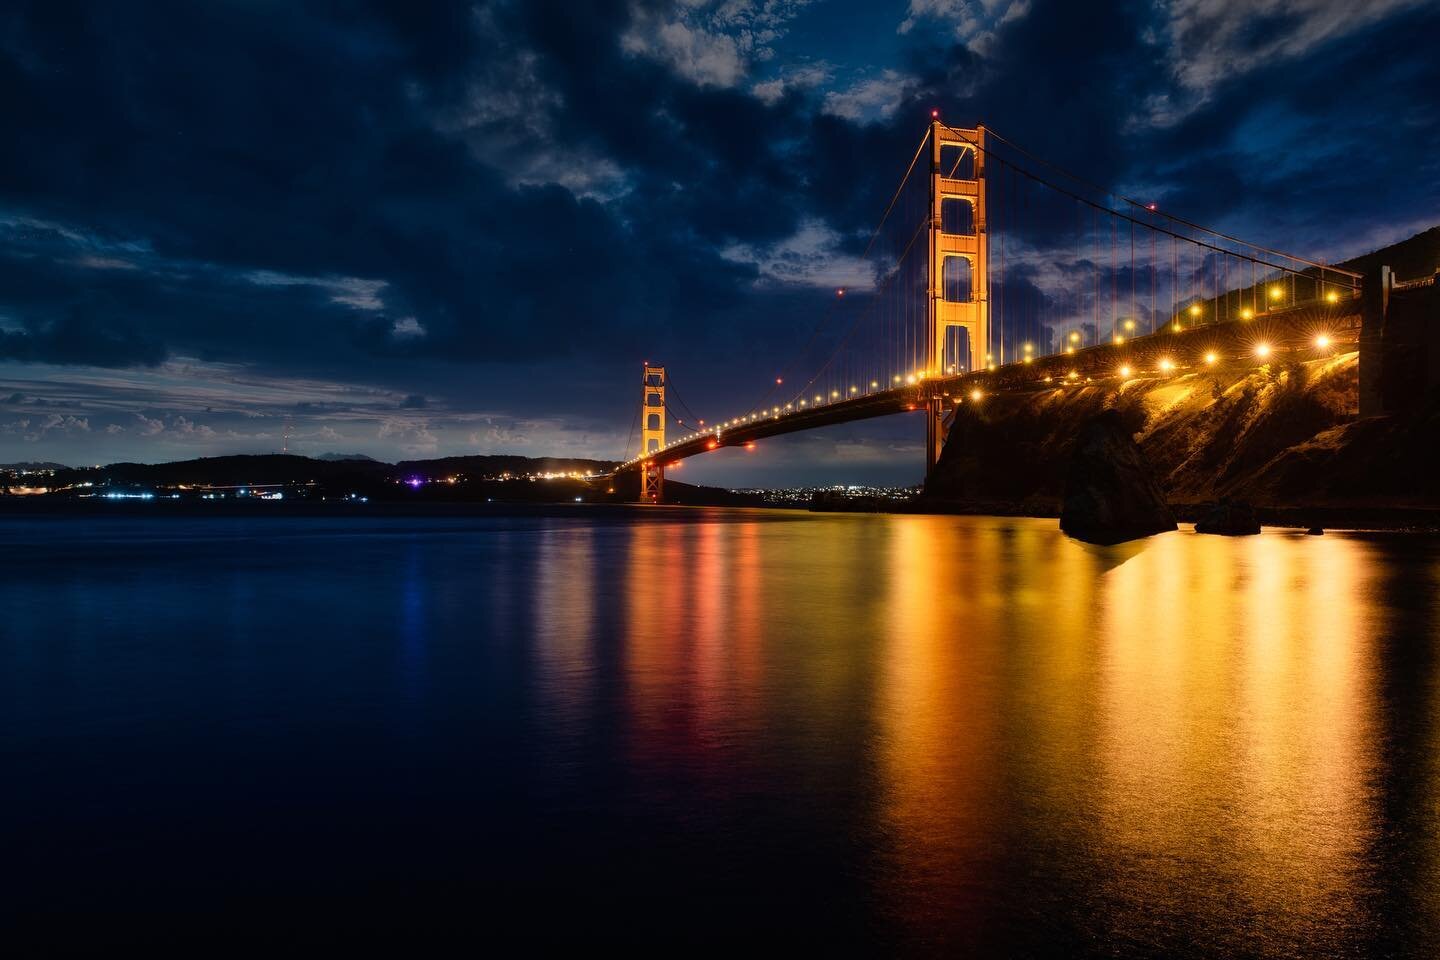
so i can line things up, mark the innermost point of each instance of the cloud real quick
(1214, 42)
(709, 44)
(870, 100)
(412, 436)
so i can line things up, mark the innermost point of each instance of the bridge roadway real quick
(1280, 334)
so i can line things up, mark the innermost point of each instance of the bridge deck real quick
(1287, 333)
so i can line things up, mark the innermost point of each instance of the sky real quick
(428, 229)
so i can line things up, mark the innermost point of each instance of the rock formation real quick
(1110, 493)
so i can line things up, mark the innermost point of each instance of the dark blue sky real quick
(418, 229)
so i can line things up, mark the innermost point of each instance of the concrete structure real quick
(956, 303)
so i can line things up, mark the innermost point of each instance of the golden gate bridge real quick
(993, 271)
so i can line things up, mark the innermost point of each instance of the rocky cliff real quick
(1279, 434)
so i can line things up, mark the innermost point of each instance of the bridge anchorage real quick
(992, 271)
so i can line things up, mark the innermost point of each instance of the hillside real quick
(1283, 434)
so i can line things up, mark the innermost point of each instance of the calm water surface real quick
(937, 734)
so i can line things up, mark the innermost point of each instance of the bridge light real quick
(840, 292)
(1028, 359)
(712, 445)
(1210, 358)
(1118, 339)
(818, 398)
(854, 389)
(802, 403)
(1071, 375)
(897, 378)
(778, 381)
(1178, 328)
(1125, 371)
(1167, 365)
(834, 394)
(1194, 309)
(1246, 313)
(1069, 349)
(1029, 347)
(1150, 207)
(991, 368)
(1129, 324)
(1074, 336)
(1332, 297)
(975, 395)
(1262, 350)
(1276, 292)
(750, 445)
(1322, 341)
(934, 114)
(873, 384)
(910, 379)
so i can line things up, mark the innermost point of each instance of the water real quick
(930, 734)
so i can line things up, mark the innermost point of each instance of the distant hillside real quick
(32, 465)
(1411, 259)
(348, 456)
(492, 466)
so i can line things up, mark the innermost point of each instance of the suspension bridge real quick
(993, 271)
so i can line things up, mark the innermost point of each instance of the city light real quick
(1322, 341)
(1262, 350)
(1210, 358)
(1166, 365)
(1125, 370)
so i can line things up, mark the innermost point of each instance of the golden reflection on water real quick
(1179, 737)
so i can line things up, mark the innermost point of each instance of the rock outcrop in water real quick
(1110, 493)
(1229, 520)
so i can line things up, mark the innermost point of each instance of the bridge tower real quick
(652, 434)
(959, 269)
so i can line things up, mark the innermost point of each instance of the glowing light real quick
(1071, 375)
(1322, 341)
(840, 292)
(854, 389)
(819, 399)
(1029, 347)
(934, 114)
(897, 378)
(873, 384)
(1262, 350)
(1167, 365)
(910, 379)
(1028, 359)
(991, 368)
(1118, 339)
(1195, 310)
(778, 381)
(750, 445)
(1150, 206)
(1125, 371)
(1074, 336)
(1276, 293)
(1332, 296)
(834, 394)
(1178, 328)
(1210, 358)
(1069, 349)
(1129, 324)
(975, 395)
(1246, 313)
